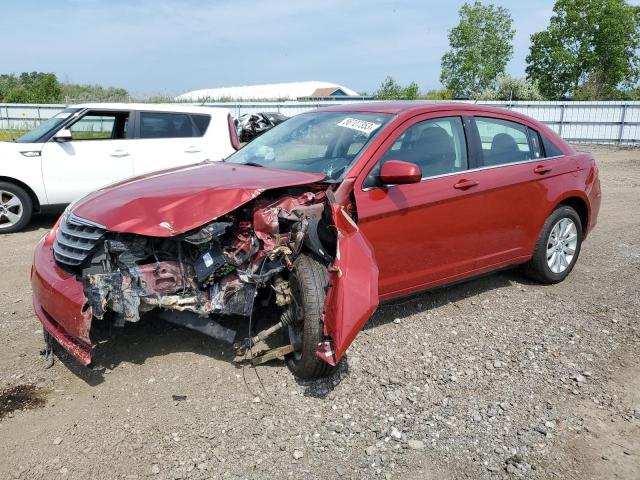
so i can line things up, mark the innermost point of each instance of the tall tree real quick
(480, 47)
(588, 42)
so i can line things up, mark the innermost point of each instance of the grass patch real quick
(8, 135)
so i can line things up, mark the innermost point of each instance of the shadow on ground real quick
(42, 221)
(153, 337)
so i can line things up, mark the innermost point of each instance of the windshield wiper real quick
(252, 164)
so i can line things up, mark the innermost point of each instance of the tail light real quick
(232, 133)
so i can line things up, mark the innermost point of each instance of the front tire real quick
(558, 247)
(16, 208)
(308, 282)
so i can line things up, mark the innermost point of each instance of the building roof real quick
(272, 91)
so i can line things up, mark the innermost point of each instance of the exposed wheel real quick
(16, 208)
(308, 282)
(557, 248)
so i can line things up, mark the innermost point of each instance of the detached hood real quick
(171, 202)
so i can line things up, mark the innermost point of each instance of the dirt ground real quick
(494, 378)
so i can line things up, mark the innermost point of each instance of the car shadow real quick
(424, 301)
(42, 221)
(154, 337)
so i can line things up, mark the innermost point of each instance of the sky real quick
(167, 47)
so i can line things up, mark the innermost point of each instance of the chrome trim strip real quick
(83, 221)
(478, 169)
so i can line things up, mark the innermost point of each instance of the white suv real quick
(85, 147)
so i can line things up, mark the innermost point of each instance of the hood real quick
(171, 202)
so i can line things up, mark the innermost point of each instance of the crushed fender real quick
(222, 268)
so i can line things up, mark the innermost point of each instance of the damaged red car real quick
(318, 220)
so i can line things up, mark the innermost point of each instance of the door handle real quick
(119, 154)
(464, 184)
(542, 169)
(192, 150)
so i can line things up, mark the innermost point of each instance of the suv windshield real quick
(41, 132)
(319, 142)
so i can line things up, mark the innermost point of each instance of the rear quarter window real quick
(202, 123)
(550, 148)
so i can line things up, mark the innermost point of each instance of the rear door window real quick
(167, 125)
(503, 141)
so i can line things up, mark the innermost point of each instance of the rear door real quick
(169, 139)
(514, 178)
(99, 153)
(423, 234)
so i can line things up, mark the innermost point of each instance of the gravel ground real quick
(494, 378)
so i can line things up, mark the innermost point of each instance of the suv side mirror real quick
(63, 135)
(399, 172)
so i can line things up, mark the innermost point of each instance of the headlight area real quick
(229, 267)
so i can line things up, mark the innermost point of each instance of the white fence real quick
(578, 122)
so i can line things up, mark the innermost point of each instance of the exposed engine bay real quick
(216, 270)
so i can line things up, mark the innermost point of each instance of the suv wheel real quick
(558, 247)
(308, 283)
(16, 208)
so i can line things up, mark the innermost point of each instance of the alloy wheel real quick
(11, 209)
(561, 245)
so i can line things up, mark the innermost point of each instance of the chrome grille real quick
(75, 238)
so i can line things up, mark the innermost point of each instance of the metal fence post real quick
(622, 120)
(562, 106)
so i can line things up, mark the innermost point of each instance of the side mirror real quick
(63, 135)
(399, 172)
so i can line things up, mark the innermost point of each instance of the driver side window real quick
(96, 125)
(437, 146)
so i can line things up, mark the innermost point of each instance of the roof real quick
(272, 91)
(325, 92)
(154, 107)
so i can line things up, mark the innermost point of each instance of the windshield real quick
(318, 142)
(42, 131)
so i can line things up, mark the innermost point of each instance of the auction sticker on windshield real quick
(359, 125)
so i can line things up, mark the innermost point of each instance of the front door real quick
(423, 234)
(98, 154)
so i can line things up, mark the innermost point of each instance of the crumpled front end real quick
(59, 303)
(227, 267)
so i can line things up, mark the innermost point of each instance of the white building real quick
(273, 91)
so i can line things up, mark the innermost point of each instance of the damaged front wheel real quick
(308, 282)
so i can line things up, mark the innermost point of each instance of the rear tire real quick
(308, 283)
(558, 247)
(16, 208)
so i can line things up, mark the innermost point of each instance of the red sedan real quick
(308, 227)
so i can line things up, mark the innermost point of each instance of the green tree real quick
(480, 47)
(391, 90)
(440, 94)
(33, 87)
(589, 43)
(7, 83)
(510, 88)
(80, 93)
